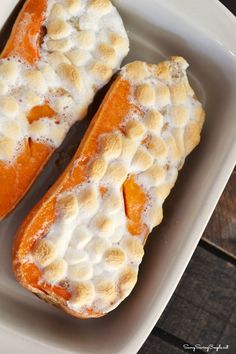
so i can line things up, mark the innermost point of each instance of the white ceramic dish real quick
(203, 32)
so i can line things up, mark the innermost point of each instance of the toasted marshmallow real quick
(100, 7)
(45, 252)
(114, 258)
(134, 129)
(55, 272)
(83, 294)
(9, 107)
(127, 281)
(111, 145)
(136, 71)
(135, 249)
(68, 207)
(145, 95)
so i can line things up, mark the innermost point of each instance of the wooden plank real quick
(155, 345)
(221, 229)
(203, 307)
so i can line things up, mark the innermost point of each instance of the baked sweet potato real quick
(58, 55)
(81, 246)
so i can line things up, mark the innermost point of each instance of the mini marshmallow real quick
(107, 54)
(106, 290)
(111, 145)
(153, 121)
(135, 249)
(100, 71)
(58, 11)
(178, 93)
(154, 176)
(162, 95)
(157, 147)
(55, 272)
(45, 252)
(88, 200)
(114, 258)
(97, 169)
(191, 136)
(35, 80)
(70, 74)
(179, 115)
(58, 29)
(136, 71)
(129, 147)
(104, 226)
(134, 129)
(7, 148)
(173, 150)
(57, 58)
(38, 127)
(145, 95)
(73, 6)
(116, 173)
(12, 130)
(161, 192)
(9, 72)
(127, 281)
(100, 7)
(68, 207)
(83, 294)
(178, 135)
(119, 43)
(142, 160)
(155, 217)
(9, 106)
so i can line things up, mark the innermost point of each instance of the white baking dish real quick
(203, 32)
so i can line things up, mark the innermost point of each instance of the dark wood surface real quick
(221, 230)
(203, 308)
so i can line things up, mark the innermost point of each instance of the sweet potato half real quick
(26, 44)
(16, 178)
(130, 93)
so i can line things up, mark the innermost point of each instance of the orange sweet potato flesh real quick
(24, 43)
(109, 117)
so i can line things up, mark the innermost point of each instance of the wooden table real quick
(202, 310)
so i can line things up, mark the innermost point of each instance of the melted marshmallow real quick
(89, 243)
(85, 44)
